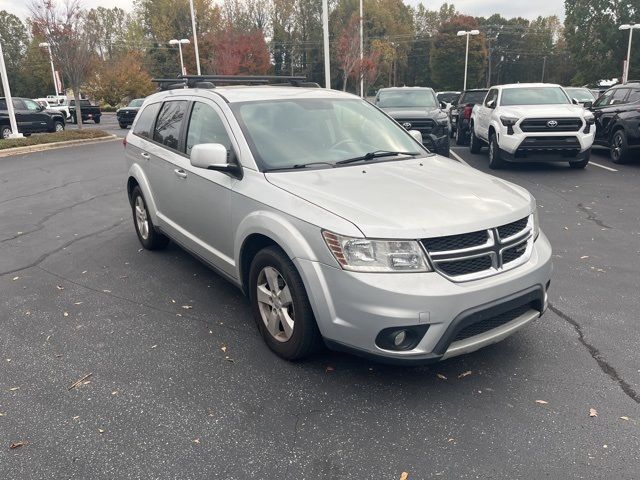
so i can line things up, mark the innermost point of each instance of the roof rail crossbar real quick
(209, 81)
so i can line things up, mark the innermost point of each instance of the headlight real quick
(508, 121)
(443, 121)
(590, 119)
(365, 255)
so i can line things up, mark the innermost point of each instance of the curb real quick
(9, 152)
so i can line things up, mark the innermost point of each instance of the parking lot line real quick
(458, 157)
(602, 166)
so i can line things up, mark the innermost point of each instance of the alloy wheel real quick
(616, 148)
(6, 132)
(142, 220)
(275, 304)
(59, 127)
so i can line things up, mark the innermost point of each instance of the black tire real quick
(5, 131)
(305, 338)
(96, 119)
(74, 119)
(582, 163)
(154, 240)
(461, 138)
(58, 126)
(123, 126)
(495, 162)
(619, 149)
(445, 152)
(452, 132)
(475, 144)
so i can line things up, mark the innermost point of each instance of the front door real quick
(38, 120)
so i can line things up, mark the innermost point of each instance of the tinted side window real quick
(169, 123)
(31, 105)
(206, 126)
(634, 96)
(492, 95)
(3, 104)
(18, 104)
(604, 99)
(619, 96)
(146, 119)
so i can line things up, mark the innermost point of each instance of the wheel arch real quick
(137, 178)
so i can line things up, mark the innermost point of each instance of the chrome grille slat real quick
(505, 247)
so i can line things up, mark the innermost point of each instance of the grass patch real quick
(52, 138)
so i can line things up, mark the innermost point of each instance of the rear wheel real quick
(281, 307)
(5, 130)
(461, 138)
(495, 161)
(475, 144)
(96, 119)
(123, 125)
(58, 127)
(619, 149)
(147, 234)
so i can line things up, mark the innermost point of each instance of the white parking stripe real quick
(458, 157)
(602, 166)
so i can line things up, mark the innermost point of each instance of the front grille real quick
(542, 125)
(549, 143)
(474, 255)
(510, 229)
(456, 242)
(466, 267)
(423, 125)
(483, 326)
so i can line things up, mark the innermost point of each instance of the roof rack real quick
(210, 81)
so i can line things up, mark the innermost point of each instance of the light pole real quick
(184, 41)
(361, 52)
(195, 37)
(631, 28)
(463, 33)
(325, 35)
(7, 98)
(53, 70)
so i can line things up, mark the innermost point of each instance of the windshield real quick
(473, 97)
(83, 103)
(580, 94)
(299, 132)
(406, 98)
(448, 97)
(533, 96)
(136, 103)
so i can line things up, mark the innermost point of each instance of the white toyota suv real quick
(533, 122)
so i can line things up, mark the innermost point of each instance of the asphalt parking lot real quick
(108, 123)
(177, 383)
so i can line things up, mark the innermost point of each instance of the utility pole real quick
(195, 37)
(325, 31)
(361, 51)
(544, 65)
(7, 97)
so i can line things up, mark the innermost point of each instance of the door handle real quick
(144, 155)
(180, 173)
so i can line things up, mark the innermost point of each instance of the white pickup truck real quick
(534, 122)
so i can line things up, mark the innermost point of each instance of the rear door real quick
(22, 116)
(606, 110)
(39, 120)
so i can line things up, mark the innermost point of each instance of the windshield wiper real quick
(376, 154)
(300, 165)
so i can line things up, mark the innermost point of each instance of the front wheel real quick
(619, 150)
(281, 307)
(58, 127)
(74, 119)
(580, 164)
(495, 162)
(475, 144)
(5, 130)
(149, 237)
(96, 119)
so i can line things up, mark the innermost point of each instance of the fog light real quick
(399, 338)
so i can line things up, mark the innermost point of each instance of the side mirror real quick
(213, 156)
(41, 107)
(491, 104)
(575, 101)
(443, 105)
(588, 104)
(416, 134)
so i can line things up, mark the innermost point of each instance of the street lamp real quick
(463, 33)
(325, 43)
(184, 41)
(195, 37)
(53, 70)
(7, 98)
(631, 28)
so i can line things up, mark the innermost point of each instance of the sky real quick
(507, 8)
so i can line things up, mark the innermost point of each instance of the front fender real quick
(136, 172)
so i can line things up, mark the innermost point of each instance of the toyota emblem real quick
(406, 125)
(552, 124)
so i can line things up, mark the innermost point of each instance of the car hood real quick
(417, 198)
(412, 112)
(543, 111)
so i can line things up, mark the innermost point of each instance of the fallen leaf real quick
(173, 301)
(76, 417)
(66, 314)
(441, 376)
(224, 349)
(115, 392)
(465, 374)
(59, 287)
(229, 359)
(329, 369)
(625, 418)
(2, 414)
(187, 307)
(106, 291)
(15, 445)
(153, 346)
(84, 271)
(542, 402)
(593, 412)
(178, 314)
(404, 476)
(605, 446)
(584, 257)
(13, 389)
(197, 441)
(78, 303)
(79, 381)
(15, 278)
(28, 312)
(100, 430)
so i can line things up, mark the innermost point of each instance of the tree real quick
(123, 79)
(34, 74)
(13, 36)
(109, 27)
(348, 50)
(72, 46)
(232, 52)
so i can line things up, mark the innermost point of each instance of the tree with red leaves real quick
(72, 46)
(348, 52)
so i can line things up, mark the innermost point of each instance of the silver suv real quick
(339, 226)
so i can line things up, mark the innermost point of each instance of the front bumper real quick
(437, 144)
(352, 308)
(545, 147)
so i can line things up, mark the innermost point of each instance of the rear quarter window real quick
(146, 119)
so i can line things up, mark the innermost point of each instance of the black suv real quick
(460, 113)
(417, 108)
(127, 114)
(617, 113)
(31, 117)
